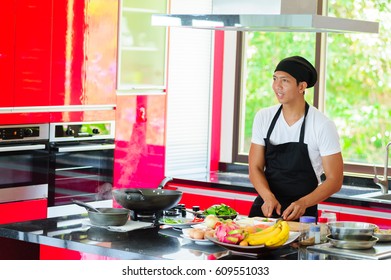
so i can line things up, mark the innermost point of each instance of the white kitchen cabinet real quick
(141, 46)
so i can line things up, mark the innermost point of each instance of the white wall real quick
(189, 87)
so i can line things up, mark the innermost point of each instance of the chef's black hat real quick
(299, 68)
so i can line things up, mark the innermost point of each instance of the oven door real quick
(80, 170)
(23, 171)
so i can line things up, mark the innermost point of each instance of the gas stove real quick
(155, 216)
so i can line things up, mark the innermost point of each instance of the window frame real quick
(319, 101)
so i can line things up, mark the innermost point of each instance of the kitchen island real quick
(150, 242)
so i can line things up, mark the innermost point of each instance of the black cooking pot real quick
(105, 216)
(150, 200)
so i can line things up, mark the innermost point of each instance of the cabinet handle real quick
(22, 148)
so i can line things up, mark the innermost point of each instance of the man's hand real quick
(269, 205)
(294, 211)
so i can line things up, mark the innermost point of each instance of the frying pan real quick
(105, 216)
(151, 200)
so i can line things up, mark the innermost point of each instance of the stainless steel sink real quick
(375, 196)
(382, 197)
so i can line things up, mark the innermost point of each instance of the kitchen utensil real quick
(151, 200)
(358, 231)
(109, 216)
(85, 205)
(353, 244)
(105, 216)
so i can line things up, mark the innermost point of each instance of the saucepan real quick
(144, 199)
(105, 216)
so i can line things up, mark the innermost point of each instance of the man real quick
(293, 144)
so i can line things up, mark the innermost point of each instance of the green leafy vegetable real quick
(220, 210)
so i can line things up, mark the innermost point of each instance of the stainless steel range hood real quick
(265, 15)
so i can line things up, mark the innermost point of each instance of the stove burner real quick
(144, 216)
(155, 216)
(171, 212)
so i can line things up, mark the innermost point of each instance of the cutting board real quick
(294, 226)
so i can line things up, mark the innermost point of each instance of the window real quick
(358, 85)
(261, 53)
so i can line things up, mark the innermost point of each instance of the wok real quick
(148, 200)
(105, 216)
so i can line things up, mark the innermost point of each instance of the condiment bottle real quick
(305, 224)
(315, 234)
(182, 209)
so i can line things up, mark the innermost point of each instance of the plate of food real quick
(199, 236)
(253, 249)
(178, 222)
(256, 221)
(197, 241)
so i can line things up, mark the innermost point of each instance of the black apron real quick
(288, 171)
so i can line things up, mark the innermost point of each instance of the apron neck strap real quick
(273, 123)
(303, 124)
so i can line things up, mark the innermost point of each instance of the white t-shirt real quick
(320, 133)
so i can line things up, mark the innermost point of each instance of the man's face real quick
(286, 88)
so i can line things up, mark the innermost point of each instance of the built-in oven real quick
(24, 162)
(81, 164)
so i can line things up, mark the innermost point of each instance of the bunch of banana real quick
(272, 236)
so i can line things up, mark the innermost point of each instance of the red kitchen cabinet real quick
(84, 52)
(24, 118)
(17, 212)
(23, 211)
(7, 35)
(140, 151)
(25, 32)
(32, 52)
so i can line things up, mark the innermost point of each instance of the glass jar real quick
(305, 224)
(331, 217)
(324, 229)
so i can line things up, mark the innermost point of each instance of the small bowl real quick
(354, 231)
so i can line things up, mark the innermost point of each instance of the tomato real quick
(197, 220)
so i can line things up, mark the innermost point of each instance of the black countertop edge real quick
(152, 243)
